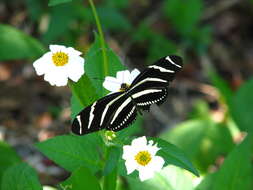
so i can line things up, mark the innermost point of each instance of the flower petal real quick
(152, 149)
(140, 142)
(131, 165)
(42, 64)
(156, 164)
(133, 75)
(145, 173)
(75, 68)
(111, 84)
(56, 76)
(57, 48)
(123, 76)
(72, 51)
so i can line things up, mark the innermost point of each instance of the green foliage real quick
(112, 159)
(60, 19)
(94, 65)
(158, 45)
(83, 94)
(173, 155)
(222, 86)
(236, 171)
(81, 179)
(242, 107)
(170, 178)
(57, 2)
(35, 9)
(107, 14)
(20, 177)
(72, 152)
(201, 138)
(184, 15)
(110, 181)
(17, 45)
(8, 158)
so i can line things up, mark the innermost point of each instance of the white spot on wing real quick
(148, 79)
(91, 114)
(144, 92)
(172, 62)
(80, 123)
(161, 69)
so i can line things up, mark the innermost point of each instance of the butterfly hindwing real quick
(144, 99)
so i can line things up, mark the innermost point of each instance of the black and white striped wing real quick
(150, 87)
(89, 119)
(162, 70)
(124, 115)
(113, 112)
(144, 99)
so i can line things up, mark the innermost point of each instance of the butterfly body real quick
(118, 110)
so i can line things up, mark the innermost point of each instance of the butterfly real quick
(118, 110)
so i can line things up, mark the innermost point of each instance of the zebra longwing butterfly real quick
(118, 110)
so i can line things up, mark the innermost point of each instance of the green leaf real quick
(83, 94)
(208, 141)
(80, 179)
(242, 107)
(72, 152)
(170, 178)
(8, 158)
(173, 155)
(57, 2)
(17, 45)
(94, 67)
(236, 169)
(20, 177)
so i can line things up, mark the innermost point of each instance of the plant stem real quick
(101, 35)
(110, 179)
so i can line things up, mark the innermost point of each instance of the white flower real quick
(123, 77)
(60, 64)
(141, 156)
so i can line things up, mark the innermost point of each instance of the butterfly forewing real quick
(124, 115)
(163, 69)
(89, 119)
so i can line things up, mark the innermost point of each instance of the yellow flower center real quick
(124, 87)
(60, 58)
(143, 158)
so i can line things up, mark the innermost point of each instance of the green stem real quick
(110, 180)
(102, 40)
